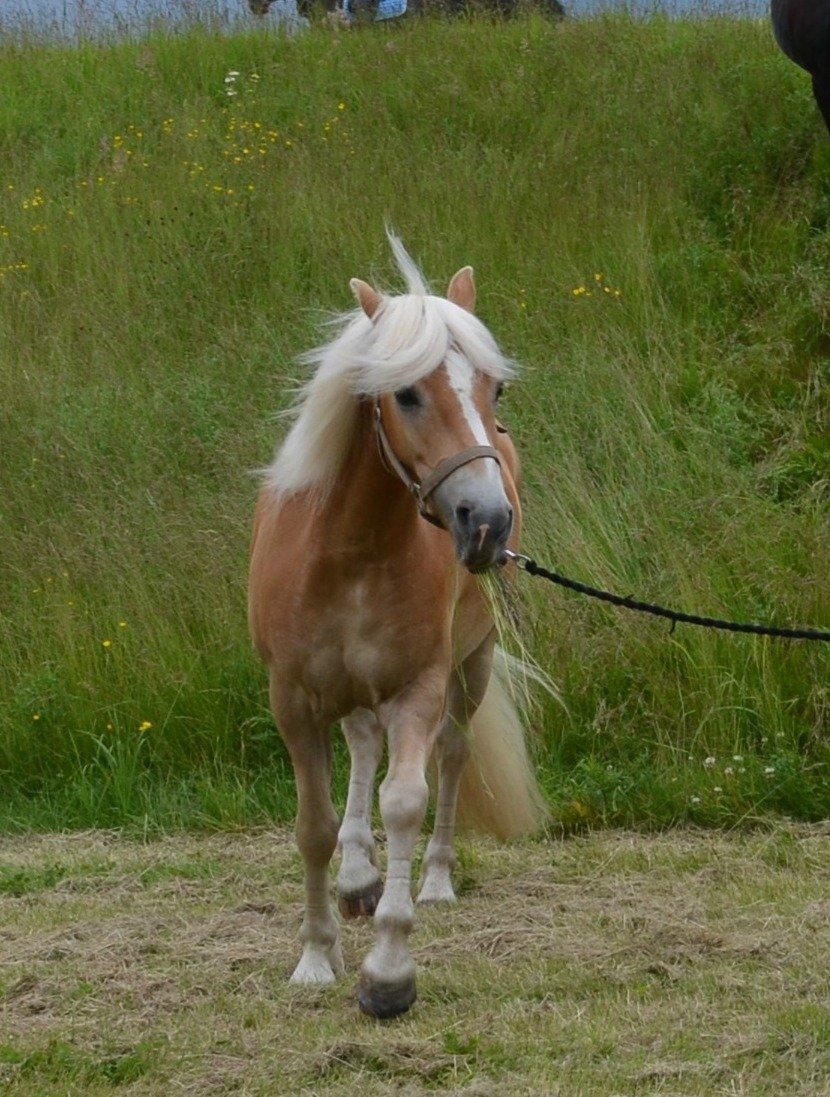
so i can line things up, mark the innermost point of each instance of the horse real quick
(802, 28)
(393, 488)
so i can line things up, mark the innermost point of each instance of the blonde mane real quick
(409, 337)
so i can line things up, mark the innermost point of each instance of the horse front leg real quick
(387, 984)
(358, 881)
(467, 688)
(309, 745)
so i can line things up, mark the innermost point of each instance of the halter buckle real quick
(518, 558)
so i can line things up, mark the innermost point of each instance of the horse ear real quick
(462, 289)
(369, 299)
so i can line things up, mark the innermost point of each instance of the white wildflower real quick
(709, 762)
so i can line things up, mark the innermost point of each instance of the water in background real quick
(89, 17)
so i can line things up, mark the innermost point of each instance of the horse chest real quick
(363, 646)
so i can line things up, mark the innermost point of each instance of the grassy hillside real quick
(646, 206)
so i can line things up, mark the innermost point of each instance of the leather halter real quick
(422, 490)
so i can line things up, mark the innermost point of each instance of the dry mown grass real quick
(684, 963)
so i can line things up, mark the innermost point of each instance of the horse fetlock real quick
(357, 874)
(359, 883)
(319, 932)
(440, 854)
(394, 916)
(356, 835)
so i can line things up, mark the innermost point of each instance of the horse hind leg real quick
(467, 688)
(358, 881)
(310, 748)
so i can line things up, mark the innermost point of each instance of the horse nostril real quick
(462, 514)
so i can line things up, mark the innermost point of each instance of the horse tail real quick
(499, 793)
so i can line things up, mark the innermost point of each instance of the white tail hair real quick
(499, 793)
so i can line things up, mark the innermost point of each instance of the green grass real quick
(160, 273)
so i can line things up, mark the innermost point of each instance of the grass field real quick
(684, 963)
(646, 205)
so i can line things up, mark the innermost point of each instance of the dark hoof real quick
(385, 1000)
(362, 904)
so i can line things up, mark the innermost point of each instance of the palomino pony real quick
(366, 612)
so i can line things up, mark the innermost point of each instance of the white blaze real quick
(462, 381)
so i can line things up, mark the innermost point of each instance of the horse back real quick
(802, 28)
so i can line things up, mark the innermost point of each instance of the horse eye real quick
(499, 391)
(408, 398)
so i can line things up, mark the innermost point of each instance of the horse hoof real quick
(385, 1000)
(361, 904)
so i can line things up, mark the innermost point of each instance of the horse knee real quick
(403, 803)
(316, 836)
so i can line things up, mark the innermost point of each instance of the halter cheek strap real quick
(435, 477)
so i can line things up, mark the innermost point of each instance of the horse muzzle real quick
(480, 533)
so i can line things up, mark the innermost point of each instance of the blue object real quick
(386, 9)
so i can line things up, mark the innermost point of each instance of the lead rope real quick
(528, 564)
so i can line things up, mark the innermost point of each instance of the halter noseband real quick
(435, 477)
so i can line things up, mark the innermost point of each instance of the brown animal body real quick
(364, 612)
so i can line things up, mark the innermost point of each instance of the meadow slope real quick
(646, 205)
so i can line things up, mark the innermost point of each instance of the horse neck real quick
(368, 510)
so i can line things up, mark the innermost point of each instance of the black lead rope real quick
(673, 615)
